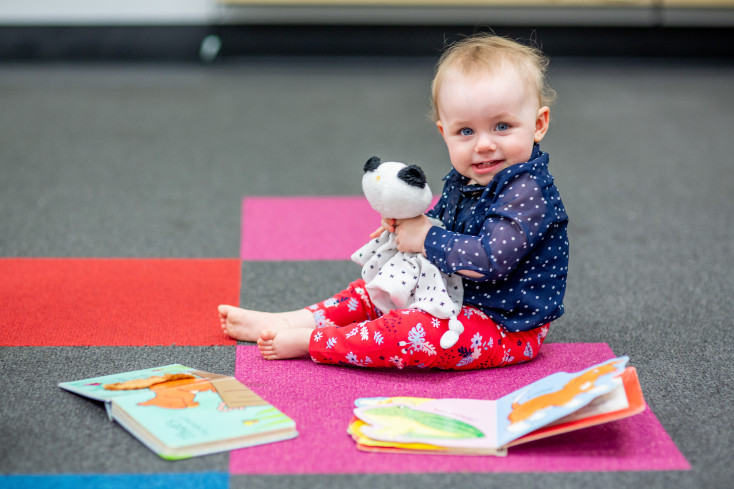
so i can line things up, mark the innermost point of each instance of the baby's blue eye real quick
(502, 126)
(466, 131)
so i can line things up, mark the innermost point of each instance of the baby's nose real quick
(485, 143)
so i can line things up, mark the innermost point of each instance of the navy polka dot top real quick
(514, 233)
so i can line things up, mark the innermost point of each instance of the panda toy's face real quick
(395, 190)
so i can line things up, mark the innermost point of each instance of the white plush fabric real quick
(397, 280)
(391, 197)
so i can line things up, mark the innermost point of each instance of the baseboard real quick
(184, 43)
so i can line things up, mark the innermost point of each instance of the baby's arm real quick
(475, 257)
(490, 256)
(493, 248)
(470, 274)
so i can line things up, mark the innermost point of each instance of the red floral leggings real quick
(351, 331)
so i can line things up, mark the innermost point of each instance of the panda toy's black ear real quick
(372, 164)
(413, 175)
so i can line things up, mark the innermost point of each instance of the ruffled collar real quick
(455, 180)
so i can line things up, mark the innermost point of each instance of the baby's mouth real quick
(487, 164)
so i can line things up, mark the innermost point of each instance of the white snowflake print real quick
(362, 293)
(378, 338)
(354, 360)
(331, 302)
(542, 334)
(470, 311)
(314, 307)
(435, 322)
(352, 332)
(317, 337)
(364, 333)
(528, 351)
(353, 304)
(507, 358)
(476, 341)
(330, 342)
(417, 341)
(397, 361)
(321, 319)
(465, 361)
(478, 344)
(319, 316)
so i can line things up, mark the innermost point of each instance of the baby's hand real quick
(386, 225)
(410, 234)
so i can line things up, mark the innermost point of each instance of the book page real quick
(449, 423)
(616, 400)
(554, 397)
(622, 402)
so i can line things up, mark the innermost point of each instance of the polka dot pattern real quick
(514, 233)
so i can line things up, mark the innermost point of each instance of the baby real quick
(504, 232)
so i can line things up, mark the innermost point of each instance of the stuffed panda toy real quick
(395, 190)
(398, 280)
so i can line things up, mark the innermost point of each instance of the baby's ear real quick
(439, 125)
(372, 164)
(413, 175)
(541, 123)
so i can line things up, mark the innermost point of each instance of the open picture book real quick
(180, 412)
(556, 404)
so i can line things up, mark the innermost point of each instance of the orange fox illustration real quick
(574, 387)
(177, 394)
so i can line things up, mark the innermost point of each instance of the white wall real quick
(199, 12)
(177, 12)
(96, 12)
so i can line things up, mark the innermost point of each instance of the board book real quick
(556, 404)
(180, 412)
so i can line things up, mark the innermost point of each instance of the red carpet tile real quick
(115, 302)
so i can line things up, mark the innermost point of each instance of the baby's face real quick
(489, 121)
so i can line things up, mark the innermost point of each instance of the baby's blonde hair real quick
(489, 52)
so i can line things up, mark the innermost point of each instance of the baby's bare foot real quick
(286, 343)
(246, 325)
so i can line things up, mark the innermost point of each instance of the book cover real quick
(180, 412)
